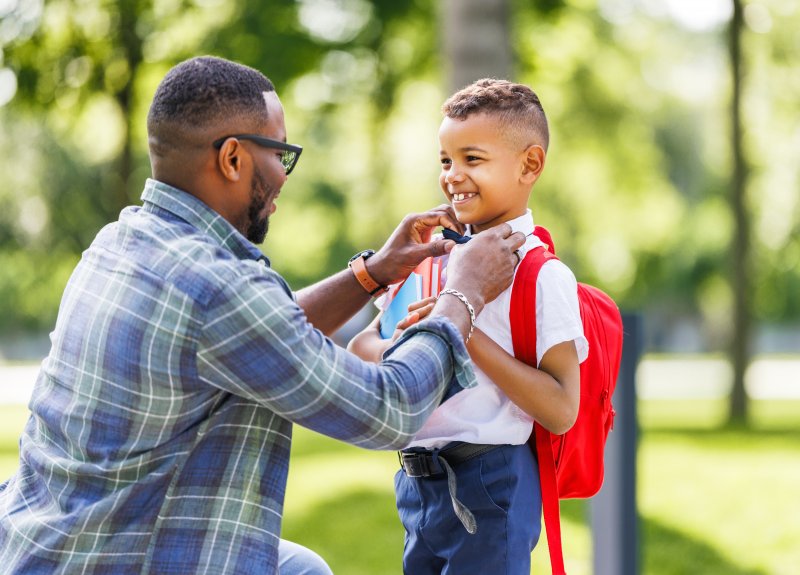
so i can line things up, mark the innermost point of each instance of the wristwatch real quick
(359, 268)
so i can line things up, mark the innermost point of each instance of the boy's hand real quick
(417, 311)
(410, 243)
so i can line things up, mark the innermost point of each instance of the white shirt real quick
(484, 414)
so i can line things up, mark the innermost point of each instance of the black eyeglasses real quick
(289, 157)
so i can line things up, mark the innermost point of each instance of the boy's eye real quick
(473, 158)
(446, 161)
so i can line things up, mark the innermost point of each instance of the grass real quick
(712, 499)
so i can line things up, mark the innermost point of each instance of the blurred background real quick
(672, 183)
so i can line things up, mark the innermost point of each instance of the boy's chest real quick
(494, 320)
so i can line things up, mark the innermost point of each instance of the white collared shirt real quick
(484, 414)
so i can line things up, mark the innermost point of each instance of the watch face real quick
(365, 254)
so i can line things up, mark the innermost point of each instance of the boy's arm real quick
(550, 394)
(368, 343)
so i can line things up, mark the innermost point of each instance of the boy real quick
(471, 456)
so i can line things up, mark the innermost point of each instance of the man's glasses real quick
(289, 156)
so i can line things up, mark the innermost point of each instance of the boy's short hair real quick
(516, 106)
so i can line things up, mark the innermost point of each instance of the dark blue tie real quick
(455, 236)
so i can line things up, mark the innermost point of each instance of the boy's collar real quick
(523, 223)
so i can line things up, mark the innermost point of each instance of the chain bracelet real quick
(465, 301)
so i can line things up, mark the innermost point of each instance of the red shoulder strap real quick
(543, 234)
(550, 505)
(523, 333)
(523, 304)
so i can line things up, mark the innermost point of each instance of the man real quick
(161, 419)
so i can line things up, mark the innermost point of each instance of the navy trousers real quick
(501, 488)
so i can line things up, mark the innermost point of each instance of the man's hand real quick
(410, 243)
(484, 267)
(329, 303)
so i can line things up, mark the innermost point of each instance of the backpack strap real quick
(550, 505)
(523, 332)
(543, 234)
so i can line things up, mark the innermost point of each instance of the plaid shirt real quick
(161, 419)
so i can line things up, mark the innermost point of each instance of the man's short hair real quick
(206, 90)
(516, 106)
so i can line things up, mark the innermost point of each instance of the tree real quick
(638, 179)
(741, 276)
(477, 41)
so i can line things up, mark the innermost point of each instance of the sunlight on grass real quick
(576, 540)
(681, 414)
(706, 492)
(735, 490)
(12, 420)
(318, 479)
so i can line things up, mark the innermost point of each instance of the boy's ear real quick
(533, 164)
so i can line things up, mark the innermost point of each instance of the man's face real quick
(268, 175)
(258, 214)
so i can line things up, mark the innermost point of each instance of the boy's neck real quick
(477, 228)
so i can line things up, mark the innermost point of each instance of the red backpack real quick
(570, 465)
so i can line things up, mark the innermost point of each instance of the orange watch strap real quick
(362, 275)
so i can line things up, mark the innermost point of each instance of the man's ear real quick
(533, 163)
(229, 159)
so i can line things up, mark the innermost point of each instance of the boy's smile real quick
(460, 198)
(486, 178)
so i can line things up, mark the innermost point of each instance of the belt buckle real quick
(414, 464)
(420, 464)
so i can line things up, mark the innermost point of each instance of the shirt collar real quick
(524, 224)
(196, 213)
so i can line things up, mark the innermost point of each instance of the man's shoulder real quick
(171, 251)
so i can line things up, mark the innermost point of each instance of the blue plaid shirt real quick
(162, 418)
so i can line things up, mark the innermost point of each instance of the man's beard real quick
(257, 227)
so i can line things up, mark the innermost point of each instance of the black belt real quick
(418, 462)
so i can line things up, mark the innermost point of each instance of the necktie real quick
(455, 236)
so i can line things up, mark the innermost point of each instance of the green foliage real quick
(636, 186)
(638, 170)
(32, 283)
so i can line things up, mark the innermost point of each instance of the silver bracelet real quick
(465, 301)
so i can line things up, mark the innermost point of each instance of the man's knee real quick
(294, 559)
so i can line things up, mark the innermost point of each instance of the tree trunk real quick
(740, 246)
(476, 41)
(131, 46)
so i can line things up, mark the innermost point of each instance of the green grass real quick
(712, 500)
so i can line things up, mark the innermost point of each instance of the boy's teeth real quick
(460, 197)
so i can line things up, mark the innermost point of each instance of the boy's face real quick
(484, 176)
